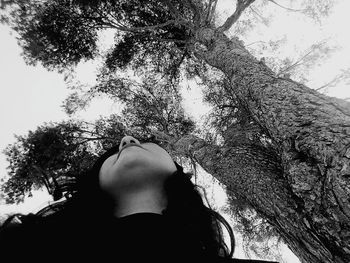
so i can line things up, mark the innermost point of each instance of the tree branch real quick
(177, 14)
(263, 19)
(86, 139)
(287, 8)
(44, 178)
(146, 28)
(207, 8)
(255, 42)
(144, 98)
(340, 77)
(172, 40)
(241, 6)
(212, 11)
(196, 10)
(117, 25)
(300, 60)
(326, 85)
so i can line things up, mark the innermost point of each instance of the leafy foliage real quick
(150, 105)
(54, 33)
(55, 154)
(61, 34)
(76, 101)
(151, 36)
(317, 9)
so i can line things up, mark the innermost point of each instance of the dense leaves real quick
(153, 104)
(159, 37)
(55, 154)
(54, 33)
(61, 34)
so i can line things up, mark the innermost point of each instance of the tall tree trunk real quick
(309, 200)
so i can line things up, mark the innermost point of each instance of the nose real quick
(128, 140)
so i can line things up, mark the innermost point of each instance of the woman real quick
(135, 205)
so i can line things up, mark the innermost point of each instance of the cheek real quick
(171, 166)
(164, 167)
(106, 177)
(169, 163)
(135, 170)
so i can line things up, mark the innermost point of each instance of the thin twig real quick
(147, 28)
(255, 42)
(297, 63)
(241, 6)
(264, 20)
(212, 12)
(197, 14)
(287, 8)
(173, 40)
(175, 11)
(326, 85)
(208, 10)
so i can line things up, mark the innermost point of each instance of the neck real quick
(146, 201)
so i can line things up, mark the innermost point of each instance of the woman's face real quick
(135, 166)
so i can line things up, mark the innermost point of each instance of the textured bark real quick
(307, 199)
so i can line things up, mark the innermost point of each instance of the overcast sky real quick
(31, 96)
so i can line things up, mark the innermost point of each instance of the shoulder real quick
(236, 260)
(218, 259)
(15, 237)
(38, 239)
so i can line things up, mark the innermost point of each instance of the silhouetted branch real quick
(211, 10)
(241, 6)
(287, 8)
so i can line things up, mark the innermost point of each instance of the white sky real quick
(31, 96)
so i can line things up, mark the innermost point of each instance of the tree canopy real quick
(55, 154)
(283, 148)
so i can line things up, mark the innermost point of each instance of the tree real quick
(54, 155)
(150, 104)
(294, 172)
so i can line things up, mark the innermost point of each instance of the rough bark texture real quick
(307, 197)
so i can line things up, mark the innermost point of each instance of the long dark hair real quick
(185, 208)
